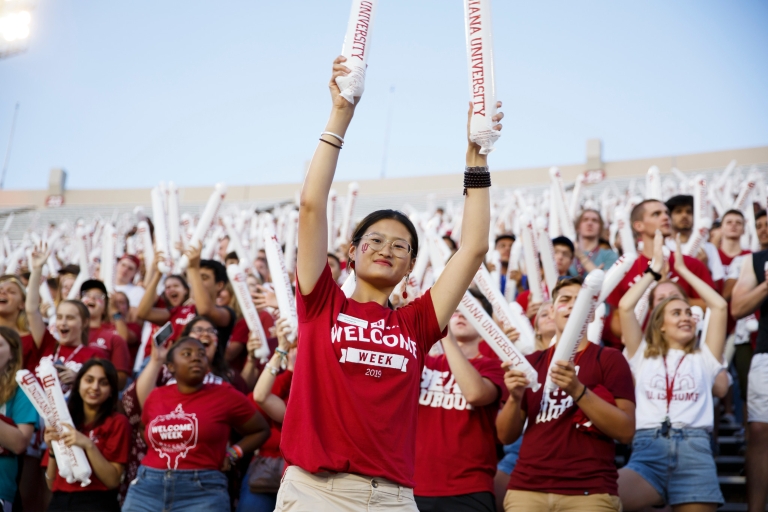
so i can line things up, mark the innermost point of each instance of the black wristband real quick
(476, 177)
(330, 143)
(584, 392)
(656, 275)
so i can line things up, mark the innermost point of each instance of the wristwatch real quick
(117, 316)
(656, 275)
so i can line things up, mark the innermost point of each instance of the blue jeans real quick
(511, 454)
(177, 491)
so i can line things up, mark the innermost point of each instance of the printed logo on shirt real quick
(436, 392)
(101, 343)
(173, 435)
(554, 404)
(684, 389)
(375, 333)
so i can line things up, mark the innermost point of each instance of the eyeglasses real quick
(93, 296)
(375, 241)
(203, 330)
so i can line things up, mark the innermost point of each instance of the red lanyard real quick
(56, 355)
(671, 384)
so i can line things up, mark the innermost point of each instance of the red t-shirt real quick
(522, 299)
(112, 438)
(240, 335)
(354, 397)
(31, 354)
(74, 357)
(180, 317)
(107, 339)
(133, 348)
(280, 388)
(636, 273)
(191, 431)
(557, 458)
(487, 351)
(456, 442)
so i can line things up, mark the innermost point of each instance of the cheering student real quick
(187, 426)
(125, 271)
(749, 296)
(355, 389)
(101, 431)
(671, 458)
(13, 296)
(589, 254)
(270, 395)
(456, 437)
(648, 217)
(201, 328)
(567, 457)
(18, 419)
(101, 333)
(174, 306)
(119, 310)
(681, 216)
(563, 250)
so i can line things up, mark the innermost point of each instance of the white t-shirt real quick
(691, 405)
(133, 292)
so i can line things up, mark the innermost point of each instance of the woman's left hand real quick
(73, 437)
(564, 377)
(498, 117)
(66, 375)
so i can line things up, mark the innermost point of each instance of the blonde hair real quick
(22, 324)
(657, 344)
(8, 376)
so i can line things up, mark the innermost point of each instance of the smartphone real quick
(59, 365)
(162, 335)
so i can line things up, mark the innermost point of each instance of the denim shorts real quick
(178, 490)
(680, 467)
(511, 454)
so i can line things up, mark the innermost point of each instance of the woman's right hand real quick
(50, 434)
(159, 256)
(340, 105)
(159, 352)
(39, 256)
(515, 381)
(283, 330)
(254, 343)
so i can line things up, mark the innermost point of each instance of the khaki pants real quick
(527, 501)
(301, 491)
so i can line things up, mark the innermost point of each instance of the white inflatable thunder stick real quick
(31, 387)
(575, 328)
(628, 245)
(616, 273)
(471, 309)
(161, 230)
(187, 228)
(357, 47)
(108, 245)
(561, 201)
(211, 243)
(345, 230)
(142, 229)
(206, 220)
(286, 302)
(744, 192)
(47, 298)
(331, 216)
(573, 204)
(553, 226)
(653, 184)
(525, 325)
(526, 343)
(238, 279)
(174, 236)
(531, 260)
(595, 327)
(482, 85)
(494, 258)
(49, 378)
(698, 237)
(81, 243)
(291, 227)
(243, 256)
(547, 255)
(513, 265)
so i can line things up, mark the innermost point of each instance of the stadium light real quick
(15, 25)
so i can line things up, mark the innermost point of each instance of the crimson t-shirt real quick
(555, 457)
(456, 442)
(180, 317)
(116, 348)
(355, 390)
(73, 357)
(190, 431)
(31, 353)
(112, 438)
(280, 388)
(240, 335)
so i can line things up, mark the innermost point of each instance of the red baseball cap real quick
(131, 257)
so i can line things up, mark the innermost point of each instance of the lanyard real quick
(671, 384)
(73, 354)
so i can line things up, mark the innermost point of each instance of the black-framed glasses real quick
(375, 241)
(204, 330)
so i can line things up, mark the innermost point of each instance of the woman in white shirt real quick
(672, 458)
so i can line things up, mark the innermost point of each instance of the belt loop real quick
(399, 493)
(329, 483)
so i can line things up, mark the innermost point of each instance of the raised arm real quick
(204, 305)
(32, 304)
(477, 390)
(271, 404)
(475, 224)
(147, 310)
(631, 330)
(718, 307)
(747, 294)
(313, 221)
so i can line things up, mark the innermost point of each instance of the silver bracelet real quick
(338, 137)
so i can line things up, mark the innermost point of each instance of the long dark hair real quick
(76, 407)
(219, 366)
(8, 375)
(378, 215)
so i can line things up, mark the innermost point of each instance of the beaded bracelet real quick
(476, 177)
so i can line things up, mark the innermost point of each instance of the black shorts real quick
(475, 502)
(85, 501)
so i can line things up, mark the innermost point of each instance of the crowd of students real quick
(365, 410)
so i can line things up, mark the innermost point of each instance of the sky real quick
(125, 94)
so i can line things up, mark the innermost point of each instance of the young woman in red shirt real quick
(187, 426)
(355, 389)
(101, 431)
